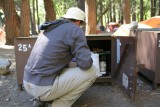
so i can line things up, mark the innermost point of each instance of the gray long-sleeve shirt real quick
(53, 51)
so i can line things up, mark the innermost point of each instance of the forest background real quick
(22, 17)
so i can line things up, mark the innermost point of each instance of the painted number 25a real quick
(23, 47)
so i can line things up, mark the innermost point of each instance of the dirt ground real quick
(98, 95)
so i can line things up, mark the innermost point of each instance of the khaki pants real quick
(67, 88)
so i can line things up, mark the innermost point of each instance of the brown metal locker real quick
(148, 54)
(23, 47)
(119, 56)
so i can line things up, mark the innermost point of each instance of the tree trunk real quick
(101, 17)
(1, 13)
(33, 20)
(38, 20)
(114, 12)
(25, 18)
(155, 5)
(153, 8)
(107, 18)
(134, 10)
(120, 14)
(152, 14)
(159, 8)
(12, 21)
(126, 11)
(141, 10)
(50, 12)
(91, 17)
(2, 4)
(103, 11)
(81, 4)
(110, 11)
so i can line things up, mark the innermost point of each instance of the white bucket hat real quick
(74, 13)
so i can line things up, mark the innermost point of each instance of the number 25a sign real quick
(24, 47)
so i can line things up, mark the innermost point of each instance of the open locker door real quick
(126, 73)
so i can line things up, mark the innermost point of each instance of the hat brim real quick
(71, 17)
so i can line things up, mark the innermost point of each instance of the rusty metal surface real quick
(23, 47)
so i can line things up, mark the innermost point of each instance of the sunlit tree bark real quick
(25, 18)
(49, 8)
(126, 11)
(91, 17)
